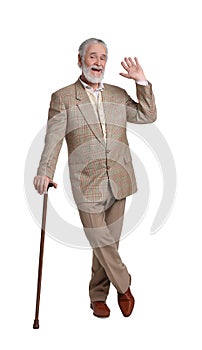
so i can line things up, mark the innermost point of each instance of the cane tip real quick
(36, 324)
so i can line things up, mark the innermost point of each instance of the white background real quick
(39, 43)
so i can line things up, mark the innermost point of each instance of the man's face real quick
(93, 64)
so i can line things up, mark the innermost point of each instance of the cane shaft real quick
(36, 321)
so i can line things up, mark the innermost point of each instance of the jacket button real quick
(108, 150)
(108, 167)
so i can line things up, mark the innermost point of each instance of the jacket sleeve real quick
(55, 133)
(143, 111)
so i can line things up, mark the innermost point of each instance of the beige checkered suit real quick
(92, 161)
(101, 170)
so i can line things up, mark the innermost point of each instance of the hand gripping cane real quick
(45, 199)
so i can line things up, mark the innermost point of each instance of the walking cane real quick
(45, 199)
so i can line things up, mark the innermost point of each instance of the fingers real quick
(133, 69)
(44, 185)
(41, 183)
(124, 75)
(129, 62)
(137, 63)
(124, 65)
(36, 182)
(54, 183)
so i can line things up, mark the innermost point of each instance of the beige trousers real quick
(102, 223)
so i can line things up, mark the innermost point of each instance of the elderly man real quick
(92, 117)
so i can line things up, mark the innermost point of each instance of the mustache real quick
(95, 67)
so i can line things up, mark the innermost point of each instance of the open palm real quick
(133, 69)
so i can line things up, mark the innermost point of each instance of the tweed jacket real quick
(93, 160)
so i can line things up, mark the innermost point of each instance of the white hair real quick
(83, 47)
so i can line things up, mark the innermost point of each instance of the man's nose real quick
(98, 61)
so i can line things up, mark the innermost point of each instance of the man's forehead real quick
(96, 49)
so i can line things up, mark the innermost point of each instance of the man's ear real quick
(79, 60)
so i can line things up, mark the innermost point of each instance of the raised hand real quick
(133, 69)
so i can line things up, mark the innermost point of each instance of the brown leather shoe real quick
(126, 302)
(100, 309)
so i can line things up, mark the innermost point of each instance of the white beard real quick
(87, 73)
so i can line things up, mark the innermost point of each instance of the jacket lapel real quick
(109, 106)
(107, 99)
(86, 109)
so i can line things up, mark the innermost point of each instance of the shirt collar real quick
(86, 86)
